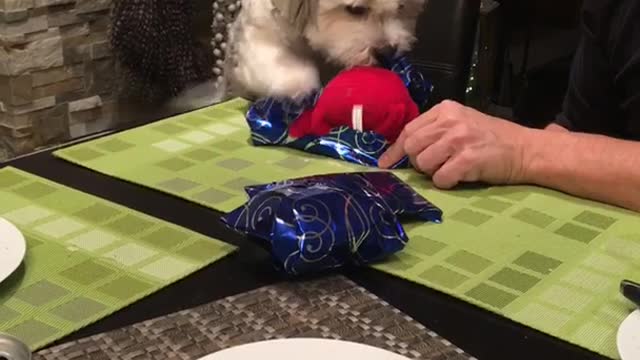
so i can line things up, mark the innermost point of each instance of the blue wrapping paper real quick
(269, 121)
(324, 222)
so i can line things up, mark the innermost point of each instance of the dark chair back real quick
(446, 37)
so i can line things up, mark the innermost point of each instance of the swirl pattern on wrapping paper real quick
(385, 221)
(264, 131)
(346, 144)
(262, 115)
(324, 222)
(414, 80)
(362, 223)
(364, 142)
(257, 213)
(370, 143)
(357, 235)
(317, 240)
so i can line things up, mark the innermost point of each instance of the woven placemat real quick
(333, 308)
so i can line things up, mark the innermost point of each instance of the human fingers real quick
(397, 150)
(458, 168)
(426, 136)
(433, 157)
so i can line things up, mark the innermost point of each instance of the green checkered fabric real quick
(86, 258)
(203, 157)
(539, 257)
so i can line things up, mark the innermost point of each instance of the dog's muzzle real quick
(386, 52)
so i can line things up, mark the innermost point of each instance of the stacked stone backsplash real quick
(57, 76)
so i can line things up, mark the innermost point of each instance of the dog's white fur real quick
(268, 56)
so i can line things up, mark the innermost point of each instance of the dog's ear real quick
(297, 12)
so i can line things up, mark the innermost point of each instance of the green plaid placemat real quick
(541, 258)
(86, 258)
(535, 256)
(204, 157)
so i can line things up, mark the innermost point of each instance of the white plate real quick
(12, 249)
(304, 349)
(629, 337)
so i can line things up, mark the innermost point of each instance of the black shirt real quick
(604, 88)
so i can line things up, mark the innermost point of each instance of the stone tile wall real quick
(57, 77)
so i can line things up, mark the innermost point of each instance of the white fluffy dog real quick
(276, 47)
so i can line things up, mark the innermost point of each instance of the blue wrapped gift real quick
(269, 120)
(324, 222)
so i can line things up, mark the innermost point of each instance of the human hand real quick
(453, 143)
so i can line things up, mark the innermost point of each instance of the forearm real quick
(589, 166)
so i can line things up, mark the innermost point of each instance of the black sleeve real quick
(624, 54)
(603, 87)
(586, 101)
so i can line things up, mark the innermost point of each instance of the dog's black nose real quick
(386, 52)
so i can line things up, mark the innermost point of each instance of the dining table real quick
(480, 333)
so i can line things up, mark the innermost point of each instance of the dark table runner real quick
(332, 308)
